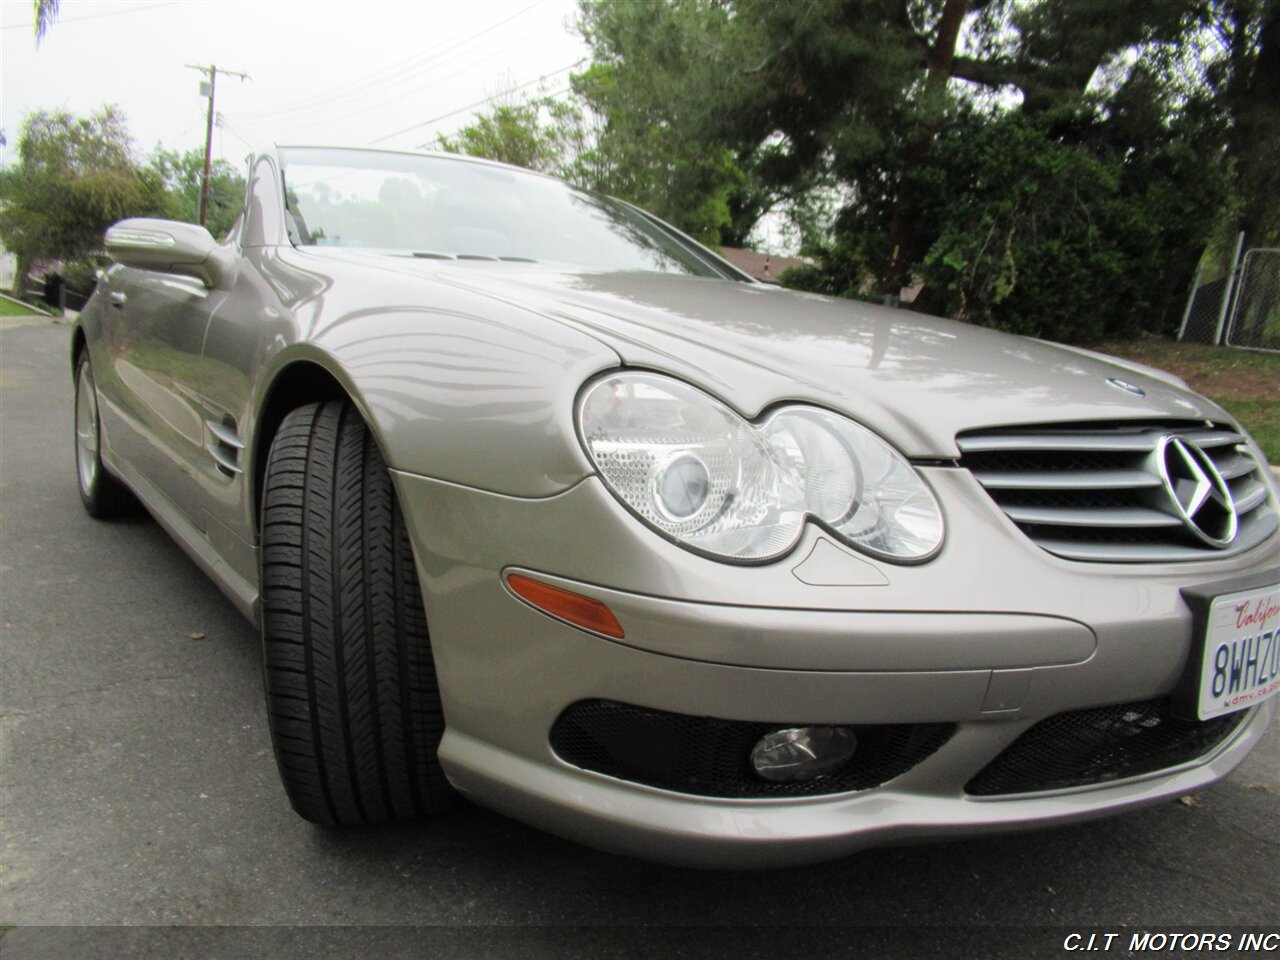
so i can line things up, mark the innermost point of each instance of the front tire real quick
(103, 496)
(352, 699)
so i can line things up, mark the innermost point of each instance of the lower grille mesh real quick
(1099, 745)
(711, 758)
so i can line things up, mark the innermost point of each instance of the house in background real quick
(762, 266)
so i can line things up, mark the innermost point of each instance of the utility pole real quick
(211, 84)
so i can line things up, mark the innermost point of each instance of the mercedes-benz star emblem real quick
(1126, 386)
(1199, 494)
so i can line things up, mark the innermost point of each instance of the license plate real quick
(1241, 662)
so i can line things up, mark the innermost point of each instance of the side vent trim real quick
(224, 445)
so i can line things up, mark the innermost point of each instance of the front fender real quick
(481, 401)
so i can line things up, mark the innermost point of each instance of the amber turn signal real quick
(567, 606)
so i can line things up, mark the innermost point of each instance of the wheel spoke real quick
(86, 430)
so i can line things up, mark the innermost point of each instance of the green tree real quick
(181, 174)
(74, 178)
(1250, 90)
(564, 137)
(514, 133)
(801, 97)
(1115, 113)
(1054, 239)
(659, 143)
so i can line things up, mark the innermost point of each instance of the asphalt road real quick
(137, 789)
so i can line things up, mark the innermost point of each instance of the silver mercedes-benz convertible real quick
(537, 501)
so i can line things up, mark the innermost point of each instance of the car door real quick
(153, 334)
(245, 329)
(242, 331)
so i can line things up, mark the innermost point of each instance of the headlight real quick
(696, 471)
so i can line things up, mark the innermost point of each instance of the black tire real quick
(103, 495)
(352, 699)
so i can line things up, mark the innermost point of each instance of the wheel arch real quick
(295, 384)
(79, 342)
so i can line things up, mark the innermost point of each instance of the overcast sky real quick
(323, 71)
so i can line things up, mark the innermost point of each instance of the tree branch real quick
(759, 67)
(989, 73)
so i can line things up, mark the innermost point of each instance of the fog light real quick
(803, 753)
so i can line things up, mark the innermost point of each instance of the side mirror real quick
(171, 247)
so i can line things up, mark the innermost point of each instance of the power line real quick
(396, 71)
(323, 114)
(330, 118)
(478, 103)
(223, 125)
(92, 16)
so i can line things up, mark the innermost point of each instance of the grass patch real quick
(12, 308)
(1245, 382)
(1262, 419)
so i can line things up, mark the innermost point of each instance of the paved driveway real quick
(138, 788)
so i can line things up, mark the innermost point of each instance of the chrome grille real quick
(1096, 492)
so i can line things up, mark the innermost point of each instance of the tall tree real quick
(877, 102)
(655, 81)
(74, 178)
(800, 95)
(1252, 97)
(1051, 52)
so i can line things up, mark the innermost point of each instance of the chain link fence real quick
(1237, 305)
(1205, 315)
(1255, 315)
(1205, 307)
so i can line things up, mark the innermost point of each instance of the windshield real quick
(437, 207)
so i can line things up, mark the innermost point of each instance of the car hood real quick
(915, 379)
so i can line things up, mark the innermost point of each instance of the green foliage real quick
(181, 175)
(562, 138)
(843, 273)
(1067, 239)
(1055, 52)
(1252, 79)
(657, 142)
(46, 13)
(739, 109)
(75, 177)
(513, 133)
(1051, 168)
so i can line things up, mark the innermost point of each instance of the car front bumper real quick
(710, 833)
(992, 636)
